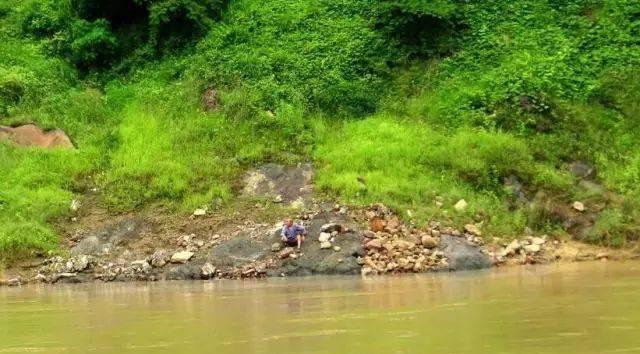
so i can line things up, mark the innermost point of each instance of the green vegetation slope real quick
(409, 102)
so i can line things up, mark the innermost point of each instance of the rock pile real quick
(392, 247)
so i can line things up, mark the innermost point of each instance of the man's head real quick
(288, 222)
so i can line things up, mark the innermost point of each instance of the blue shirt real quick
(292, 232)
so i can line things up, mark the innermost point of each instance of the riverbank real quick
(245, 244)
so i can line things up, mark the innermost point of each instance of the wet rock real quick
(184, 272)
(239, 251)
(461, 255)
(461, 205)
(14, 281)
(207, 271)
(428, 241)
(102, 241)
(159, 258)
(181, 257)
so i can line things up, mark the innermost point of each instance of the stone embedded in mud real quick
(181, 257)
(376, 224)
(325, 245)
(373, 244)
(32, 135)
(428, 241)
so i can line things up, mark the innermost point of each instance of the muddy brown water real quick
(565, 309)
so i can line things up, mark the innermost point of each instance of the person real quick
(293, 234)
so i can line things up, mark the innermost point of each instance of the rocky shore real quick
(341, 240)
(369, 241)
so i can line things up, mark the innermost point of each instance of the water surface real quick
(565, 309)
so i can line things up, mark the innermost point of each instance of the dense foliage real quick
(421, 100)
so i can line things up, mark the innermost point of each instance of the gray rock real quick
(101, 241)
(239, 251)
(286, 183)
(461, 255)
(276, 247)
(582, 169)
(184, 272)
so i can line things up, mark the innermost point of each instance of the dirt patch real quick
(32, 135)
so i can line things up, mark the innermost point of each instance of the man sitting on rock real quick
(293, 234)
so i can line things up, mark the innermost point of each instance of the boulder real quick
(207, 271)
(181, 257)
(32, 135)
(185, 272)
(461, 255)
(240, 250)
(101, 241)
(324, 237)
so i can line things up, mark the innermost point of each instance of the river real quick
(565, 309)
